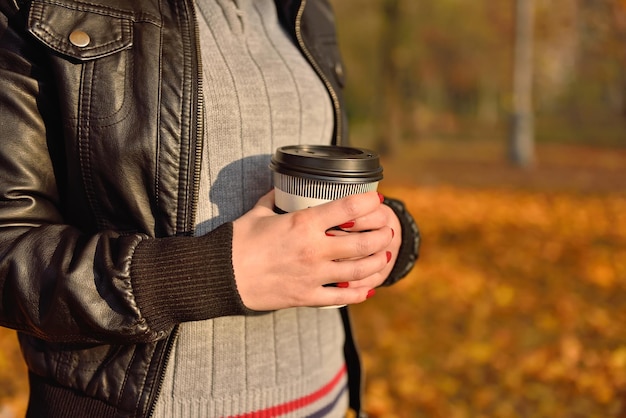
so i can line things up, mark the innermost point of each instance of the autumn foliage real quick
(516, 309)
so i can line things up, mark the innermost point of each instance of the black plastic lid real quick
(328, 163)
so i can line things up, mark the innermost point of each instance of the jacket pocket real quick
(90, 54)
(80, 32)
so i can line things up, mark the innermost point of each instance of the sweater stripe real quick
(303, 402)
(328, 408)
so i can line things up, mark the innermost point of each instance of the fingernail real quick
(393, 233)
(371, 293)
(328, 234)
(346, 225)
(381, 197)
(343, 285)
(388, 254)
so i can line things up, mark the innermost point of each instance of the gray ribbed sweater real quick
(260, 94)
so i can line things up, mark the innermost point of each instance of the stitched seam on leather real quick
(107, 11)
(124, 104)
(84, 149)
(157, 160)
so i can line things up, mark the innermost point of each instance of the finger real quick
(342, 245)
(340, 211)
(373, 220)
(355, 270)
(334, 296)
(267, 200)
(370, 282)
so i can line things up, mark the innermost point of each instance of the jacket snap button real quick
(79, 38)
(338, 70)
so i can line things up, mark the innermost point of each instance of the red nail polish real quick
(388, 254)
(343, 285)
(328, 234)
(381, 197)
(371, 293)
(346, 225)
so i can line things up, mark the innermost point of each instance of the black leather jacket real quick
(100, 149)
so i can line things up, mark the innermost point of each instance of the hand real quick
(282, 261)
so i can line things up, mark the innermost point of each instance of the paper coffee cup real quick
(309, 175)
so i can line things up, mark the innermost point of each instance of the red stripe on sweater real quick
(275, 411)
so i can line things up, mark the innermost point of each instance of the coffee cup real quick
(309, 175)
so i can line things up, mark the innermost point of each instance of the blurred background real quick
(502, 125)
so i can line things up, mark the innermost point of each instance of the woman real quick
(141, 261)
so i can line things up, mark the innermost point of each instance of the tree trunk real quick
(390, 110)
(521, 141)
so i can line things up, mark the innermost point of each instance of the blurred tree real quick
(619, 25)
(415, 69)
(521, 146)
(390, 103)
(557, 50)
(444, 70)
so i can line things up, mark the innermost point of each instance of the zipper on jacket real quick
(199, 125)
(331, 90)
(198, 135)
(171, 339)
(193, 201)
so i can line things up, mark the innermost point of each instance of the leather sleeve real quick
(62, 281)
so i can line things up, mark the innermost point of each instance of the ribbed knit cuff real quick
(409, 249)
(182, 279)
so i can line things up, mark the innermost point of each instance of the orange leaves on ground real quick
(515, 309)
